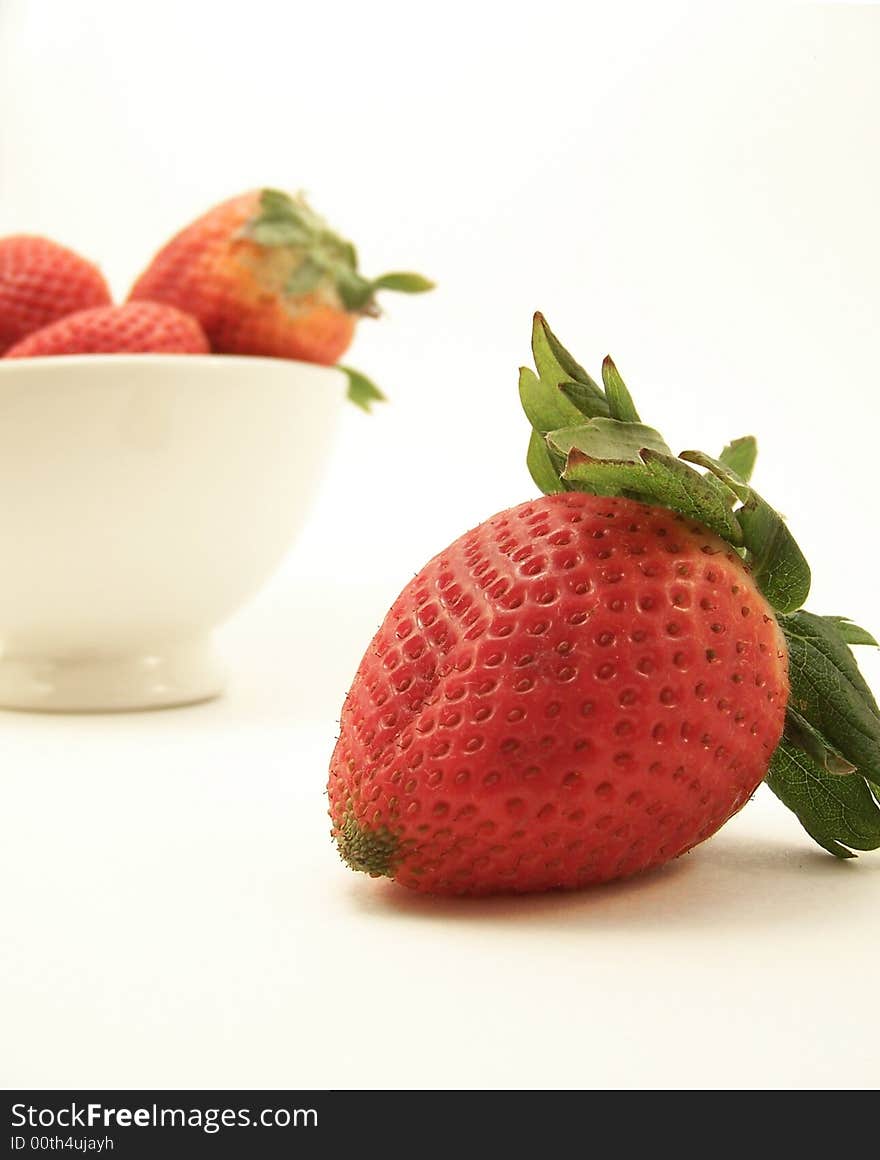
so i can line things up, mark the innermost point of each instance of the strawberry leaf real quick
(609, 439)
(584, 398)
(285, 221)
(839, 813)
(305, 277)
(541, 467)
(620, 402)
(803, 736)
(825, 636)
(551, 355)
(654, 478)
(829, 692)
(275, 203)
(362, 391)
(277, 232)
(545, 406)
(778, 565)
(720, 471)
(740, 455)
(404, 282)
(851, 633)
(356, 292)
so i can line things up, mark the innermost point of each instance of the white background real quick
(690, 188)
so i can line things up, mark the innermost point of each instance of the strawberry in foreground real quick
(41, 282)
(591, 683)
(265, 275)
(133, 328)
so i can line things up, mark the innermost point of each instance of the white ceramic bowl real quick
(143, 499)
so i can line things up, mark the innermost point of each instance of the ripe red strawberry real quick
(579, 688)
(266, 276)
(134, 328)
(588, 685)
(41, 282)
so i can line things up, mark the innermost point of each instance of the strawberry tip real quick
(372, 851)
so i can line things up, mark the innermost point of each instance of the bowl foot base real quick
(171, 673)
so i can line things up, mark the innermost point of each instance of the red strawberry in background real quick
(265, 275)
(40, 282)
(133, 328)
(591, 683)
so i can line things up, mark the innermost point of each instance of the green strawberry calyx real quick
(324, 259)
(590, 437)
(317, 260)
(362, 391)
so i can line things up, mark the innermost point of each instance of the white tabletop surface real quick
(175, 915)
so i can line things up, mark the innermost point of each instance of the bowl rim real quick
(61, 361)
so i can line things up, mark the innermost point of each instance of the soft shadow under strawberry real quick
(722, 886)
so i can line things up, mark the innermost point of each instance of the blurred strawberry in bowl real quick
(265, 275)
(133, 328)
(40, 282)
